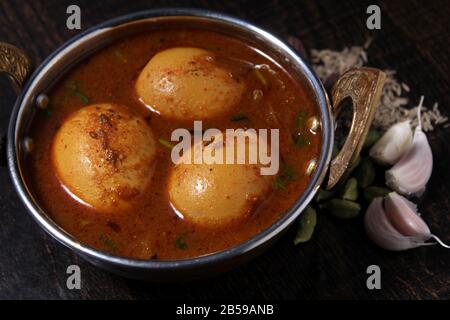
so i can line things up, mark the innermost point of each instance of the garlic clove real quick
(394, 224)
(411, 173)
(402, 214)
(393, 144)
(381, 231)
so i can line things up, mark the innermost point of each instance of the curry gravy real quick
(151, 229)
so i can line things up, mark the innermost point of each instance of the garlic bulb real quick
(411, 173)
(393, 144)
(393, 224)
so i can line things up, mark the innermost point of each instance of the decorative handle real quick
(15, 63)
(364, 87)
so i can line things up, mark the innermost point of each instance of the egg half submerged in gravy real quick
(187, 83)
(217, 194)
(104, 155)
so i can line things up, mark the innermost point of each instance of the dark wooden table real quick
(414, 40)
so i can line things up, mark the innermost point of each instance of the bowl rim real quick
(252, 243)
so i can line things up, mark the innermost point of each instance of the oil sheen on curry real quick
(101, 164)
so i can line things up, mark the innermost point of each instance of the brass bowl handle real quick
(364, 87)
(15, 63)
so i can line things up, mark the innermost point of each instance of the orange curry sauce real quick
(152, 230)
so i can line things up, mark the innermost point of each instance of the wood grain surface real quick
(414, 40)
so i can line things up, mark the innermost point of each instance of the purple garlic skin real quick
(403, 216)
(393, 224)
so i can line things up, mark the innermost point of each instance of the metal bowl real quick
(81, 46)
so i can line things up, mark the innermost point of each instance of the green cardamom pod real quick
(372, 137)
(340, 208)
(373, 192)
(350, 191)
(322, 195)
(365, 173)
(307, 224)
